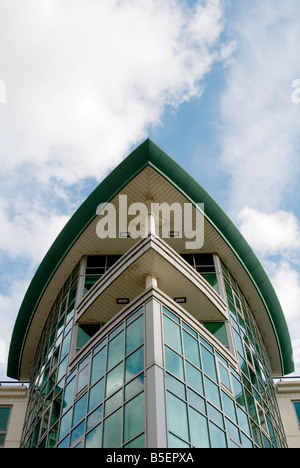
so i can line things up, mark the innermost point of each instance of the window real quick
(4, 417)
(297, 409)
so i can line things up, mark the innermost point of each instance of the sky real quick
(214, 83)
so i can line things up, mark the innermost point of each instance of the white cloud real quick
(28, 234)
(85, 79)
(260, 123)
(270, 233)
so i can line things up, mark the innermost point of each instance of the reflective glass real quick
(134, 417)
(175, 386)
(172, 334)
(94, 418)
(197, 401)
(134, 335)
(218, 438)
(113, 402)
(96, 394)
(65, 424)
(229, 407)
(115, 350)
(194, 377)
(199, 429)
(174, 363)
(191, 348)
(134, 363)
(175, 442)
(93, 439)
(134, 387)
(79, 409)
(114, 379)
(82, 378)
(177, 416)
(212, 392)
(138, 442)
(98, 366)
(112, 430)
(77, 433)
(209, 365)
(224, 376)
(69, 395)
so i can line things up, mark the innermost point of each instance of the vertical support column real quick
(155, 407)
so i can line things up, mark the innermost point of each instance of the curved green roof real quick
(148, 154)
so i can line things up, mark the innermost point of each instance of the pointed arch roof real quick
(149, 154)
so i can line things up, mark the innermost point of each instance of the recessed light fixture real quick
(122, 300)
(174, 234)
(125, 235)
(180, 300)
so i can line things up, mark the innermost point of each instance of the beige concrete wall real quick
(17, 398)
(286, 392)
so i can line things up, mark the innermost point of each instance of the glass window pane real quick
(134, 387)
(197, 401)
(98, 366)
(177, 416)
(175, 386)
(224, 376)
(69, 395)
(134, 363)
(218, 438)
(114, 379)
(297, 408)
(172, 334)
(4, 415)
(238, 393)
(218, 330)
(77, 433)
(65, 424)
(79, 409)
(113, 402)
(93, 439)
(199, 429)
(96, 394)
(229, 407)
(174, 363)
(209, 365)
(175, 442)
(94, 418)
(134, 417)
(82, 378)
(115, 350)
(215, 415)
(112, 429)
(191, 349)
(138, 442)
(194, 377)
(212, 392)
(134, 335)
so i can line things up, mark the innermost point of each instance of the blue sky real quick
(82, 83)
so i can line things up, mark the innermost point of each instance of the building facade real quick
(288, 397)
(13, 406)
(151, 323)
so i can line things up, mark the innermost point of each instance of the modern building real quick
(13, 405)
(151, 323)
(288, 397)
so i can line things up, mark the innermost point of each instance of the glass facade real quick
(89, 383)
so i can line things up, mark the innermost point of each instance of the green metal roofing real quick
(148, 154)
